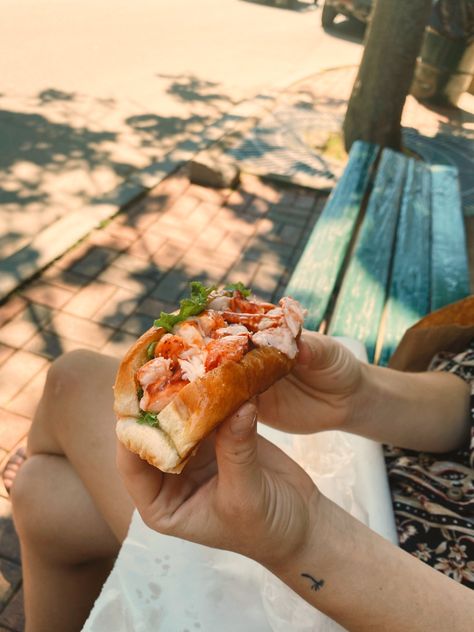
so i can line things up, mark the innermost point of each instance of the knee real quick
(28, 498)
(68, 374)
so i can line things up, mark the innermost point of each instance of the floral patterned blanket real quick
(433, 494)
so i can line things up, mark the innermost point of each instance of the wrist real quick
(326, 570)
(313, 544)
(365, 401)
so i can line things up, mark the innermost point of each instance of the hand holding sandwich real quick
(243, 494)
(329, 388)
(239, 493)
(321, 393)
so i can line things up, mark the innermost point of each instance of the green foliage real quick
(150, 350)
(148, 419)
(239, 287)
(192, 306)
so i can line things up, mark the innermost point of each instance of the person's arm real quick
(421, 411)
(251, 498)
(362, 581)
(330, 389)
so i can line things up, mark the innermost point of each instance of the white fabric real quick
(164, 584)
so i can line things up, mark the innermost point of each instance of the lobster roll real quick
(196, 367)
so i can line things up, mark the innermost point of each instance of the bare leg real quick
(70, 508)
(14, 463)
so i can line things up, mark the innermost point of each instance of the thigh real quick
(75, 419)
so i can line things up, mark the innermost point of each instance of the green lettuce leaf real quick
(148, 419)
(150, 350)
(192, 306)
(240, 287)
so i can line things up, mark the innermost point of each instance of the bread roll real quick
(199, 406)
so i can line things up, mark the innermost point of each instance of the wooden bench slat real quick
(449, 264)
(409, 291)
(315, 276)
(361, 299)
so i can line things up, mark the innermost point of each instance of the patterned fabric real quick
(433, 494)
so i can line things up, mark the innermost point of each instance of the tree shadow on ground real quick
(454, 115)
(313, 101)
(192, 89)
(35, 148)
(152, 127)
(50, 95)
(10, 569)
(151, 271)
(55, 154)
(35, 139)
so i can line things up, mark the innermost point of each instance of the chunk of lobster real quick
(171, 347)
(160, 393)
(226, 349)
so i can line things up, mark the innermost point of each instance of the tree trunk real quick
(386, 71)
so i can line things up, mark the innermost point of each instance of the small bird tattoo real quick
(317, 584)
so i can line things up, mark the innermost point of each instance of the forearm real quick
(421, 411)
(365, 583)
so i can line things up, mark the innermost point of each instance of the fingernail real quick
(243, 420)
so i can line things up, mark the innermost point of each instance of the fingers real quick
(316, 351)
(142, 481)
(236, 450)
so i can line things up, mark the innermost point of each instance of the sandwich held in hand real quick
(196, 367)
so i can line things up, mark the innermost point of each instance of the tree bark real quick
(392, 45)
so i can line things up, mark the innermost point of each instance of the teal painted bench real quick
(388, 248)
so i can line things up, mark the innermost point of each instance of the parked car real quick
(358, 9)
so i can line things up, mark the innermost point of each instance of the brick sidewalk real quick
(109, 288)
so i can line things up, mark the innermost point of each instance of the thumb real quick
(142, 481)
(316, 351)
(236, 448)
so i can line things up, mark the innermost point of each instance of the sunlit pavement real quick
(94, 93)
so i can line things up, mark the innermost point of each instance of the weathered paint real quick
(409, 289)
(315, 276)
(409, 256)
(361, 300)
(449, 263)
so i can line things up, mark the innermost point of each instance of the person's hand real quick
(321, 392)
(240, 493)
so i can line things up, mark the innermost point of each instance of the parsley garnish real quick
(239, 287)
(148, 419)
(192, 306)
(150, 350)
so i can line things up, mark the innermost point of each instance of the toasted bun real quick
(151, 444)
(197, 409)
(125, 388)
